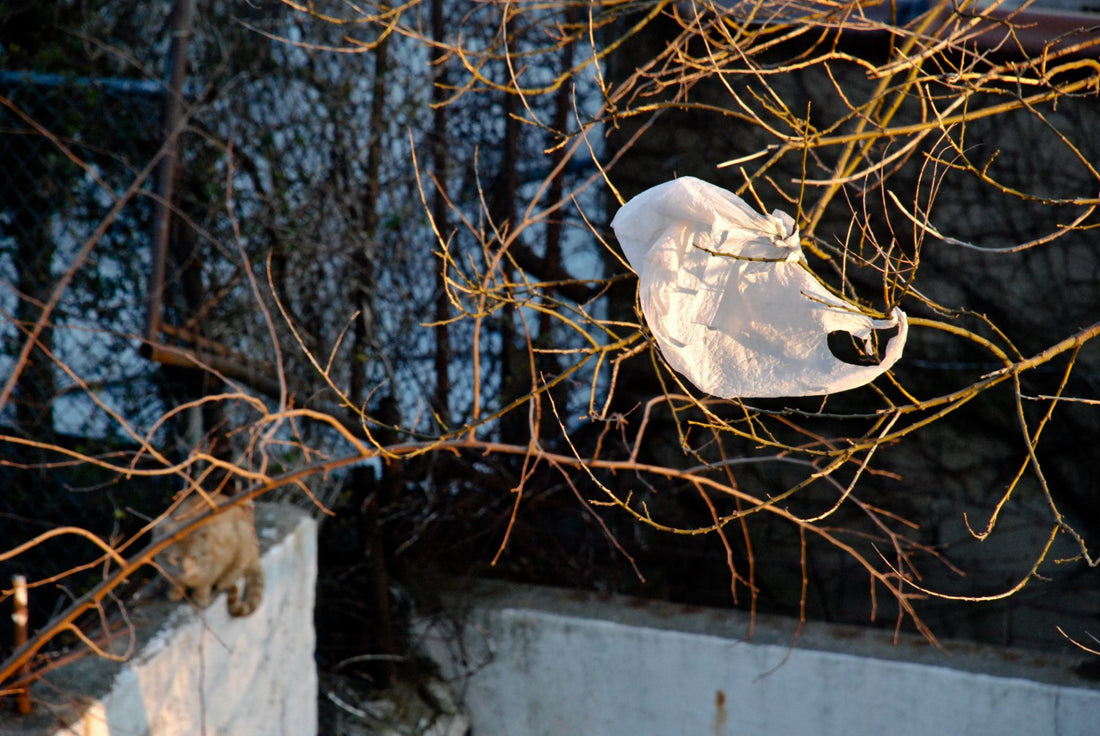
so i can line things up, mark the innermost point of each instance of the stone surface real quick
(202, 671)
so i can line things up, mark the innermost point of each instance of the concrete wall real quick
(535, 661)
(204, 672)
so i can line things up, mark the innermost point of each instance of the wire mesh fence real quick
(69, 148)
(267, 214)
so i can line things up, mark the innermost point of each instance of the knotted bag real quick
(731, 301)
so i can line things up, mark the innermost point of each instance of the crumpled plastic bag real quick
(728, 296)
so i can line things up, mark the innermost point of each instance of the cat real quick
(213, 557)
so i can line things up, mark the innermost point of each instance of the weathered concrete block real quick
(544, 662)
(203, 671)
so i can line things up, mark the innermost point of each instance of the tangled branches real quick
(943, 163)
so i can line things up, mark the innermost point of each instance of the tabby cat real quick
(213, 557)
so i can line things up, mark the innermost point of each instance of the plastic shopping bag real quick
(728, 296)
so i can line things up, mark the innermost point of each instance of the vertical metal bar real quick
(173, 116)
(439, 212)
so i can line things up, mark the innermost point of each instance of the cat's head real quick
(185, 561)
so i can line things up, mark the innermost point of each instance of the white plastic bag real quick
(731, 301)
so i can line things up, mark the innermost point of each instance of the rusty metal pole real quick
(166, 175)
(20, 618)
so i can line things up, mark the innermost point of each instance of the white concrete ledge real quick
(549, 662)
(202, 671)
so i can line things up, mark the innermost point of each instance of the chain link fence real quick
(274, 154)
(69, 148)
